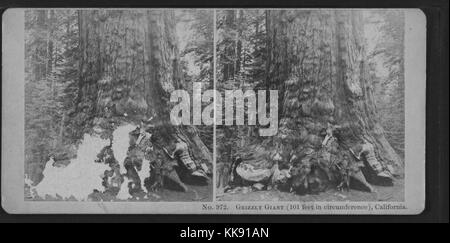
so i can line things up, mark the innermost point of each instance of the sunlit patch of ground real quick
(81, 179)
(194, 194)
(393, 193)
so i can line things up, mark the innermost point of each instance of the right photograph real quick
(313, 105)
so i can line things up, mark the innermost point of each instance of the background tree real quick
(241, 55)
(197, 57)
(51, 69)
(386, 62)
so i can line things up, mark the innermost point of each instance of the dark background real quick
(436, 209)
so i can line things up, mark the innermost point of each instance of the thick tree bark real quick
(130, 61)
(316, 61)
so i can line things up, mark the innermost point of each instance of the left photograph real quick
(98, 85)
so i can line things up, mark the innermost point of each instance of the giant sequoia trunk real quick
(316, 61)
(130, 64)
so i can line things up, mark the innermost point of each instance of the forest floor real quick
(194, 193)
(395, 193)
(85, 163)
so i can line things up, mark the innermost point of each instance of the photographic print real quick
(213, 111)
(97, 88)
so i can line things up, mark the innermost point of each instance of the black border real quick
(436, 208)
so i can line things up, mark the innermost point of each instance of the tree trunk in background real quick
(50, 46)
(239, 57)
(316, 61)
(230, 49)
(132, 69)
(39, 55)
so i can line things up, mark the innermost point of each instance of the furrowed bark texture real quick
(316, 61)
(130, 61)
